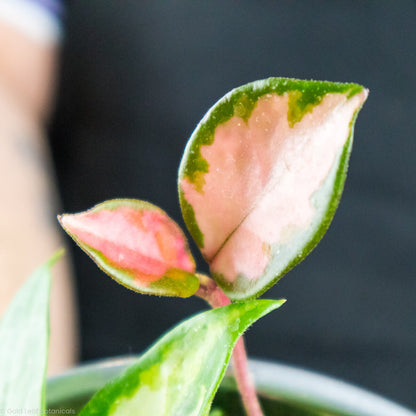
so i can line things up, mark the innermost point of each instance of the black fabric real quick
(136, 78)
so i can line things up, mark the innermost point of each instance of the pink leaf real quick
(137, 244)
(262, 175)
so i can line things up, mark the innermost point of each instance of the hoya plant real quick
(259, 183)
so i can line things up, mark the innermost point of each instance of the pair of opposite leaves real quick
(259, 183)
(177, 376)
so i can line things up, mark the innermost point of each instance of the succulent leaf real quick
(137, 244)
(180, 374)
(262, 175)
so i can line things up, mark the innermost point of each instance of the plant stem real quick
(213, 294)
(244, 380)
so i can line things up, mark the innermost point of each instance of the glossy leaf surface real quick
(262, 175)
(24, 337)
(180, 374)
(137, 244)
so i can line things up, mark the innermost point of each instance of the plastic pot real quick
(284, 390)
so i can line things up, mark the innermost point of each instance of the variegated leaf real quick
(137, 244)
(180, 374)
(262, 175)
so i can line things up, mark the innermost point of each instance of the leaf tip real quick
(267, 305)
(64, 220)
(275, 304)
(56, 256)
(364, 95)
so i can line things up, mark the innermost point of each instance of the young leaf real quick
(137, 244)
(180, 374)
(24, 336)
(262, 175)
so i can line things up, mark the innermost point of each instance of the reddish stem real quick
(244, 380)
(212, 293)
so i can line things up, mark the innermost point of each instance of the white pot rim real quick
(274, 380)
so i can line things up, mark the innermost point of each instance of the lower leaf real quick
(180, 374)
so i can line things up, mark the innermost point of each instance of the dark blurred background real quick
(136, 78)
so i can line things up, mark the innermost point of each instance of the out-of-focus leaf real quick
(262, 176)
(180, 374)
(24, 336)
(137, 244)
